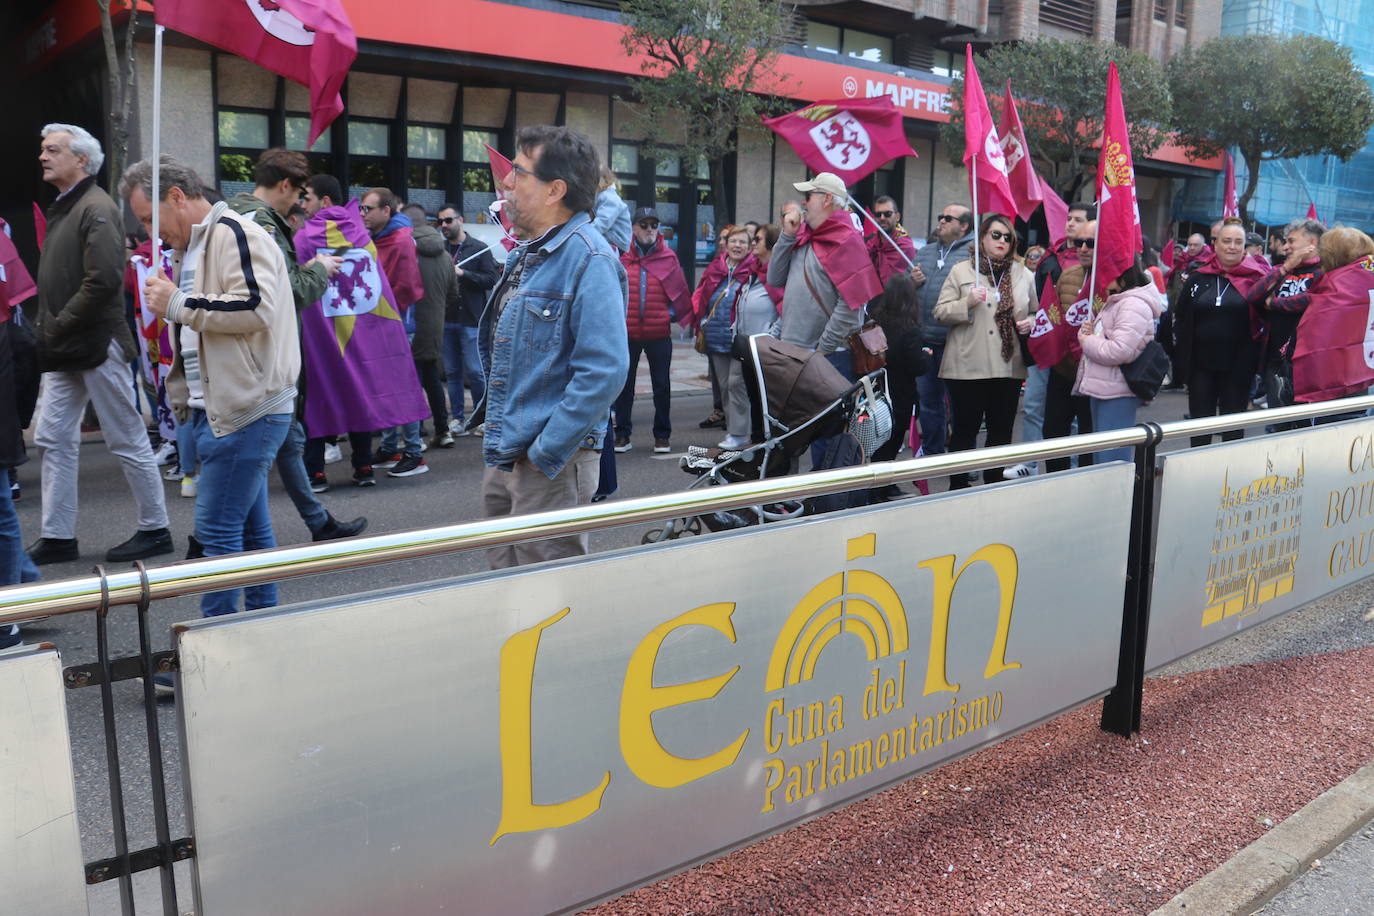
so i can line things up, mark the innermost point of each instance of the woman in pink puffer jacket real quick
(1115, 337)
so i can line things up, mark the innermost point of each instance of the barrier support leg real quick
(1121, 708)
(121, 835)
(159, 789)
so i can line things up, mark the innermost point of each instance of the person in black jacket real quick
(477, 273)
(15, 564)
(898, 313)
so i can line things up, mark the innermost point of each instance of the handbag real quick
(1145, 374)
(871, 421)
(868, 348)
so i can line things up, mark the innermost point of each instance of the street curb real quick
(1259, 871)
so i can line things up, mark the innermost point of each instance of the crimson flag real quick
(40, 224)
(16, 284)
(1118, 213)
(1334, 357)
(1229, 206)
(1021, 175)
(500, 168)
(310, 42)
(1056, 213)
(849, 137)
(1311, 211)
(1055, 332)
(983, 157)
(1166, 257)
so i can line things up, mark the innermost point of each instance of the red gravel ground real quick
(1066, 818)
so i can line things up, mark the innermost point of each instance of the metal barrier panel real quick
(40, 846)
(534, 741)
(1251, 529)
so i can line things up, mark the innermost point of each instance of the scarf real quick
(1245, 276)
(843, 254)
(1000, 270)
(716, 273)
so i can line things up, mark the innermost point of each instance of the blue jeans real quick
(296, 482)
(231, 507)
(186, 447)
(409, 434)
(15, 565)
(934, 415)
(463, 365)
(1033, 404)
(1113, 413)
(660, 353)
(843, 361)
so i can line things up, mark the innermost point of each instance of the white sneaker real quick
(332, 453)
(731, 443)
(1019, 470)
(173, 472)
(189, 486)
(166, 453)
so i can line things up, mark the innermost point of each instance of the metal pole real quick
(157, 147)
(882, 232)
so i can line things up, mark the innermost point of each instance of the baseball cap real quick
(825, 183)
(644, 213)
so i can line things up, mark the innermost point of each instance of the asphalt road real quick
(448, 494)
(1340, 886)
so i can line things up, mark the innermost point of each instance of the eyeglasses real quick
(999, 236)
(445, 220)
(365, 209)
(648, 225)
(1083, 243)
(519, 171)
(947, 219)
(882, 213)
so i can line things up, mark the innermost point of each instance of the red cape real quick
(842, 253)
(396, 252)
(1334, 356)
(711, 279)
(662, 264)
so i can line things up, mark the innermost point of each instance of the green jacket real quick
(441, 290)
(80, 303)
(308, 281)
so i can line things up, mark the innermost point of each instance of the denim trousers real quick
(295, 480)
(1033, 404)
(463, 365)
(186, 448)
(409, 437)
(934, 416)
(15, 565)
(1113, 413)
(231, 506)
(660, 354)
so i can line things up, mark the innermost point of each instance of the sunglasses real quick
(998, 236)
(881, 213)
(648, 225)
(445, 220)
(1084, 243)
(947, 219)
(365, 209)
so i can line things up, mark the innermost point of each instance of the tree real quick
(121, 86)
(1271, 98)
(1061, 91)
(710, 69)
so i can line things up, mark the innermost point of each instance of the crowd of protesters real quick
(298, 321)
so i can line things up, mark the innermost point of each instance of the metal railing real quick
(22, 602)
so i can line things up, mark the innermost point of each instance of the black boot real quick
(333, 529)
(141, 546)
(194, 548)
(52, 550)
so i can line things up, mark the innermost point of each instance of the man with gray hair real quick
(1285, 298)
(84, 350)
(237, 357)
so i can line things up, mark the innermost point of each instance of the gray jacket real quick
(928, 293)
(817, 325)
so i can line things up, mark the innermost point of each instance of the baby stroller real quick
(799, 397)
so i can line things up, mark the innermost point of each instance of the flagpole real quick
(1092, 289)
(157, 145)
(974, 189)
(881, 231)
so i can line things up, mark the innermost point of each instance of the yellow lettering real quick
(519, 813)
(773, 739)
(835, 720)
(1003, 561)
(640, 699)
(880, 754)
(774, 779)
(794, 784)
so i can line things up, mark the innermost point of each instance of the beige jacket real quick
(241, 304)
(974, 348)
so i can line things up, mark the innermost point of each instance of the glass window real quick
(298, 131)
(668, 167)
(243, 129)
(369, 138)
(822, 37)
(425, 142)
(624, 158)
(235, 167)
(425, 175)
(866, 46)
(700, 169)
(475, 144)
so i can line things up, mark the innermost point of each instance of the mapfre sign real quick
(534, 741)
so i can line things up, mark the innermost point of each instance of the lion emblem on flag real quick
(842, 140)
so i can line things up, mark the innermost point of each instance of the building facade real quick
(437, 80)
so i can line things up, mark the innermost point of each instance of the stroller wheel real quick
(654, 536)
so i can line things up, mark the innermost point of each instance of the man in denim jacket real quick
(553, 343)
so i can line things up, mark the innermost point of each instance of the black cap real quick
(1254, 238)
(644, 213)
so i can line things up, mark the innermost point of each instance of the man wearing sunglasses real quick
(951, 244)
(888, 255)
(659, 295)
(477, 273)
(1062, 406)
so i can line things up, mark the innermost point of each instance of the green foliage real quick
(1270, 97)
(1061, 91)
(710, 68)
